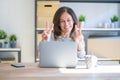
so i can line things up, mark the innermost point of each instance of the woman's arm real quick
(81, 50)
(79, 39)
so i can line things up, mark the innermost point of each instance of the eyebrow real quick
(67, 18)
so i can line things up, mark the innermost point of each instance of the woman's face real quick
(66, 23)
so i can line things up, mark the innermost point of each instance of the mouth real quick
(66, 28)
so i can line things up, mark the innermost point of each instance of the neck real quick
(65, 34)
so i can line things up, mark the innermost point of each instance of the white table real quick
(32, 71)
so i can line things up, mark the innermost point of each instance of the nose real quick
(66, 23)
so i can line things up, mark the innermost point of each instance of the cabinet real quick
(45, 10)
(86, 31)
(104, 42)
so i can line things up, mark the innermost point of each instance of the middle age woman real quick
(65, 27)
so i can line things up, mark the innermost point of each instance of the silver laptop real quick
(58, 54)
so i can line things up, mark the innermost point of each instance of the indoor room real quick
(24, 21)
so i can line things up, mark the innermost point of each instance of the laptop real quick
(56, 54)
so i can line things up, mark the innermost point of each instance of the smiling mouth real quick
(66, 28)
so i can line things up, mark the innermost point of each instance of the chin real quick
(67, 30)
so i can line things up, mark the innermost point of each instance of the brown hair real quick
(56, 20)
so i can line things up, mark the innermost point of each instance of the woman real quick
(65, 27)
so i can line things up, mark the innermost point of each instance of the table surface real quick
(32, 71)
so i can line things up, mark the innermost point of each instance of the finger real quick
(43, 35)
(47, 25)
(47, 28)
(51, 27)
(79, 27)
(76, 30)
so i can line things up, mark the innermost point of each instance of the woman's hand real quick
(47, 32)
(78, 36)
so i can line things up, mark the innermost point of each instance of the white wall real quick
(95, 12)
(18, 16)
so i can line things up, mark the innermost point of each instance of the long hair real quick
(56, 21)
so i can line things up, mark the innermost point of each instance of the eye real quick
(69, 20)
(62, 21)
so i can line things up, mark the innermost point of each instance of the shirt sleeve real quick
(82, 53)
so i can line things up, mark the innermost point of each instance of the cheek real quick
(61, 27)
(71, 28)
(71, 24)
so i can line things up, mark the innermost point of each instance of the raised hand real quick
(78, 35)
(47, 32)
